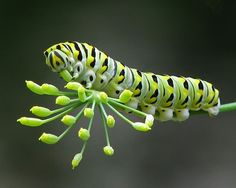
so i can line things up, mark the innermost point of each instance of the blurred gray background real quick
(193, 38)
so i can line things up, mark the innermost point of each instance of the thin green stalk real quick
(74, 100)
(67, 93)
(61, 114)
(127, 107)
(83, 148)
(103, 114)
(91, 120)
(119, 114)
(77, 118)
(81, 112)
(64, 108)
(89, 127)
(223, 108)
(102, 110)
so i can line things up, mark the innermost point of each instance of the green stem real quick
(91, 120)
(103, 110)
(89, 127)
(61, 114)
(74, 100)
(103, 114)
(143, 114)
(64, 108)
(119, 114)
(81, 112)
(69, 94)
(77, 118)
(228, 107)
(60, 93)
(223, 108)
(83, 148)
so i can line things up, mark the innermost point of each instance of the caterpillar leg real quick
(133, 103)
(88, 78)
(181, 114)
(164, 114)
(149, 109)
(77, 69)
(213, 111)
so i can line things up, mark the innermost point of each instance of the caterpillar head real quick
(59, 62)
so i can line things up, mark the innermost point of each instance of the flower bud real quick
(110, 121)
(73, 85)
(88, 112)
(40, 111)
(125, 96)
(68, 120)
(62, 100)
(49, 89)
(32, 122)
(149, 120)
(76, 160)
(81, 94)
(34, 87)
(139, 126)
(84, 134)
(49, 138)
(108, 150)
(103, 97)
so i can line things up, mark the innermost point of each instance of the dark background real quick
(193, 38)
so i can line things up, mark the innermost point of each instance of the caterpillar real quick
(166, 97)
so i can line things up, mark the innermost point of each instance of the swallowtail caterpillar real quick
(165, 97)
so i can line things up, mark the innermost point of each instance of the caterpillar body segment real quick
(166, 97)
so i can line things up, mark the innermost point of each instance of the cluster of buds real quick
(86, 100)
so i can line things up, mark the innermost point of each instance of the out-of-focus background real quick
(193, 38)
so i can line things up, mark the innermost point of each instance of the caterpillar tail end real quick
(214, 111)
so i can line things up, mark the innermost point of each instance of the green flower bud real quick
(34, 87)
(49, 138)
(103, 97)
(139, 126)
(62, 100)
(32, 122)
(84, 134)
(68, 120)
(76, 160)
(73, 85)
(108, 150)
(149, 120)
(49, 89)
(110, 121)
(40, 111)
(81, 94)
(125, 96)
(88, 112)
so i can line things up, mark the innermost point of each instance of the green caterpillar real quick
(165, 97)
